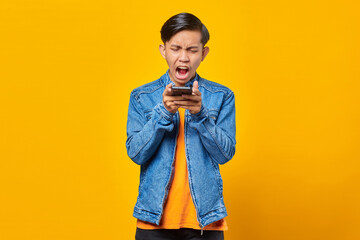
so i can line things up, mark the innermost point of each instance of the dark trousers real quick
(178, 234)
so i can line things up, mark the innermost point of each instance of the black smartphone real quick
(178, 91)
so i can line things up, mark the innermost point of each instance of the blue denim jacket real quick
(209, 141)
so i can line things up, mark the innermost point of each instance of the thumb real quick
(196, 85)
(168, 88)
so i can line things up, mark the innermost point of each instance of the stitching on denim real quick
(189, 170)
(214, 91)
(139, 149)
(148, 91)
(171, 177)
(214, 114)
(192, 188)
(216, 170)
(135, 105)
(166, 116)
(229, 95)
(215, 140)
(205, 83)
(144, 173)
(205, 216)
(143, 211)
(203, 112)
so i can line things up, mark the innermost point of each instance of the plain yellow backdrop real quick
(67, 68)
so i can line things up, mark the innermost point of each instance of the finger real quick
(196, 89)
(196, 85)
(185, 106)
(190, 108)
(172, 105)
(174, 98)
(185, 103)
(169, 86)
(192, 97)
(168, 89)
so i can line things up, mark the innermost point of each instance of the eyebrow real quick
(174, 45)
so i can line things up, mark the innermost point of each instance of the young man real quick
(179, 141)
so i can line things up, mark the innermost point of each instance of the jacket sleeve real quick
(217, 137)
(144, 136)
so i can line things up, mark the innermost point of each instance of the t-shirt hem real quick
(183, 225)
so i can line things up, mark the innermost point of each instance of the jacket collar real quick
(166, 79)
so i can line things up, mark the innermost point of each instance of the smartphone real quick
(178, 91)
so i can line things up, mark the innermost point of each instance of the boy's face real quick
(184, 50)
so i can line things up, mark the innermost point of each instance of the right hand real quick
(168, 99)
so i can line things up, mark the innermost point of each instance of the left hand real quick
(191, 102)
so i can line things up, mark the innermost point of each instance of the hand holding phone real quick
(184, 97)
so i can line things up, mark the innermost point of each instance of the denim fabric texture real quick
(209, 141)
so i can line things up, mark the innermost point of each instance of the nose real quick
(184, 56)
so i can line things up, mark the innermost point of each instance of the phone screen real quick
(178, 91)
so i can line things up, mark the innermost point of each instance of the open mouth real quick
(182, 72)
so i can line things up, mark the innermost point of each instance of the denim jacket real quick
(209, 141)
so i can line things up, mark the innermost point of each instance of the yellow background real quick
(67, 68)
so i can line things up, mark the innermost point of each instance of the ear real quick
(205, 52)
(162, 50)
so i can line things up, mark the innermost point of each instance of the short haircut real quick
(183, 21)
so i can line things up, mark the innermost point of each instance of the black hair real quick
(183, 21)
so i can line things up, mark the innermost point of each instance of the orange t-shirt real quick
(179, 209)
